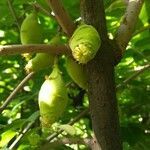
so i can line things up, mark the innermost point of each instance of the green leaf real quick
(118, 4)
(145, 13)
(24, 147)
(34, 139)
(15, 125)
(34, 116)
(6, 137)
(68, 128)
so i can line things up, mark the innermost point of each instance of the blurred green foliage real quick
(133, 97)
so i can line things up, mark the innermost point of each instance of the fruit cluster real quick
(53, 97)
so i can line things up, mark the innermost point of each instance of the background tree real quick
(118, 20)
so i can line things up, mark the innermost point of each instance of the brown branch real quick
(85, 141)
(62, 16)
(64, 141)
(128, 23)
(15, 91)
(21, 135)
(133, 76)
(13, 13)
(24, 131)
(34, 48)
(39, 7)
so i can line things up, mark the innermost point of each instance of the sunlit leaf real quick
(6, 137)
(68, 128)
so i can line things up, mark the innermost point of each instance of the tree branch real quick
(134, 76)
(128, 23)
(39, 7)
(34, 48)
(145, 57)
(15, 91)
(24, 131)
(141, 30)
(63, 141)
(13, 13)
(62, 16)
(70, 123)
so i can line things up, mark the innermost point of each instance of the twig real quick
(38, 6)
(34, 48)
(141, 30)
(25, 130)
(20, 136)
(146, 58)
(133, 76)
(79, 116)
(85, 141)
(63, 141)
(70, 123)
(13, 13)
(62, 16)
(128, 23)
(12, 95)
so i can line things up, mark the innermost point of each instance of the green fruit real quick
(42, 60)
(52, 98)
(31, 30)
(84, 43)
(76, 72)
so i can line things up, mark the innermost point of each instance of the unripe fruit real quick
(31, 30)
(52, 98)
(84, 43)
(42, 60)
(76, 72)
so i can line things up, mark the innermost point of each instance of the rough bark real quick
(101, 90)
